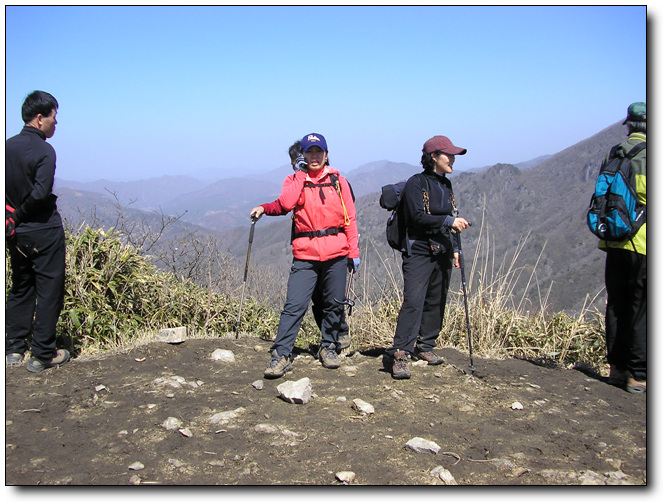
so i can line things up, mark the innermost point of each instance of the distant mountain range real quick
(545, 198)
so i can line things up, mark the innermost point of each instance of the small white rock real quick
(420, 445)
(171, 423)
(223, 355)
(136, 466)
(258, 384)
(444, 475)
(346, 476)
(298, 392)
(363, 407)
(226, 416)
(186, 432)
(517, 406)
(266, 428)
(172, 335)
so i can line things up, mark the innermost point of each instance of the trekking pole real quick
(347, 300)
(246, 273)
(461, 258)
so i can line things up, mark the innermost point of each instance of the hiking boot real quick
(14, 359)
(328, 357)
(278, 366)
(617, 377)
(429, 356)
(344, 341)
(400, 368)
(35, 365)
(635, 387)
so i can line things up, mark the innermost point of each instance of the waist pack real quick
(391, 199)
(614, 213)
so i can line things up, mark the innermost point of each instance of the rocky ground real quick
(169, 414)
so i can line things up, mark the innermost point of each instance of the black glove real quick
(300, 164)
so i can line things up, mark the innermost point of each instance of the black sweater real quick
(29, 178)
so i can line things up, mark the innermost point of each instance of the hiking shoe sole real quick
(36, 365)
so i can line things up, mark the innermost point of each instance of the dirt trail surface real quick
(102, 421)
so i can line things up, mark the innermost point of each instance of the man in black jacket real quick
(37, 247)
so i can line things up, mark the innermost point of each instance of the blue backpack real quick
(614, 212)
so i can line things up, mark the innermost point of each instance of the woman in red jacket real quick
(324, 246)
(275, 209)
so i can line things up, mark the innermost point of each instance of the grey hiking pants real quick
(330, 276)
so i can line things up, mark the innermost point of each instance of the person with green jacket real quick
(626, 278)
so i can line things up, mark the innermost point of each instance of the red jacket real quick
(313, 212)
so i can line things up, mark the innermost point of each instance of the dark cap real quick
(443, 144)
(637, 112)
(313, 139)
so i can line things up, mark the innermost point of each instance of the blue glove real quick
(300, 164)
(353, 264)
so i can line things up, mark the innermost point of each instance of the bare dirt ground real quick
(99, 421)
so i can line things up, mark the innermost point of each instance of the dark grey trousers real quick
(330, 276)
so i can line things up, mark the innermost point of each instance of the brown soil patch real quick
(89, 421)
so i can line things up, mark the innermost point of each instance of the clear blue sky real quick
(148, 91)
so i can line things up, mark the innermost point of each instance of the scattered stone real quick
(175, 463)
(258, 384)
(298, 392)
(420, 445)
(517, 406)
(266, 428)
(346, 476)
(226, 416)
(172, 335)
(135, 479)
(591, 478)
(290, 434)
(363, 407)
(444, 475)
(136, 466)
(223, 356)
(186, 432)
(341, 399)
(171, 424)
(176, 382)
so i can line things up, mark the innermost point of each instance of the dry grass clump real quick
(501, 325)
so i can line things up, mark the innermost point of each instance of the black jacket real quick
(433, 223)
(29, 178)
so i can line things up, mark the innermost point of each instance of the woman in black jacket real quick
(430, 218)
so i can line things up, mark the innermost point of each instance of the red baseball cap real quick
(442, 144)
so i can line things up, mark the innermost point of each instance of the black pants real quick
(304, 276)
(626, 312)
(36, 297)
(426, 281)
